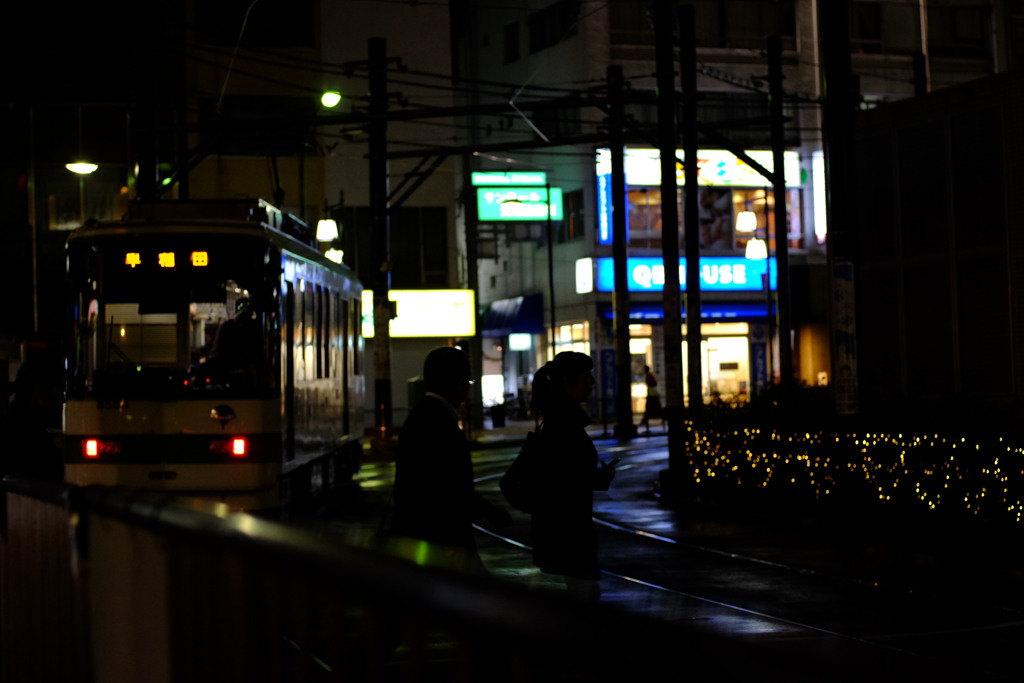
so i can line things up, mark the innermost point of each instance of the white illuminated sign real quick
(520, 341)
(584, 275)
(714, 167)
(426, 313)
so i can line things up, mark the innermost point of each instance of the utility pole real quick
(624, 428)
(551, 266)
(778, 135)
(691, 220)
(380, 245)
(668, 140)
(474, 404)
(837, 118)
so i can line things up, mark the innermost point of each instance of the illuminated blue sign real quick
(604, 209)
(717, 274)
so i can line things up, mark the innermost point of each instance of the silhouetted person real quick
(28, 448)
(652, 406)
(434, 498)
(564, 541)
(236, 347)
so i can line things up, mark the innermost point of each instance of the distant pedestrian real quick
(28, 447)
(652, 406)
(564, 540)
(434, 498)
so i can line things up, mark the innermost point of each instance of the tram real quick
(214, 353)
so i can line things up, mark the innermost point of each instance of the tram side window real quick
(340, 335)
(357, 339)
(309, 330)
(323, 332)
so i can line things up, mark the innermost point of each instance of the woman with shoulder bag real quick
(564, 541)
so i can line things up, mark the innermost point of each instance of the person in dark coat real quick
(28, 448)
(434, 498)
(564, 541)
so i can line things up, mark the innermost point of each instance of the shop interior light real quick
(336, 255)
(746, 221)
(757, 250)
(81, 167)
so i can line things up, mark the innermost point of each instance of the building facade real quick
(545, 50)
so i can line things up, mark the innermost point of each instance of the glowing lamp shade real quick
(330, 99)
(81, 167)
(336, 255)
(746, 221)
(757, 250)
(327, 230)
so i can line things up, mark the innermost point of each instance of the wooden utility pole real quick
(380, 245)
(668, 140)
(778, 135)
(624, 427)
(691, 221)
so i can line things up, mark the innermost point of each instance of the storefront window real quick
(573, 337)
(759, 205)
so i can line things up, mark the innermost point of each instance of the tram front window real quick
(159, 332)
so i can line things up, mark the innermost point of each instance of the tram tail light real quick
(94, 449)
(236, 447)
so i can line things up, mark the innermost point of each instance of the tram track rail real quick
(985, 620)
(631, 530)
(900, 635)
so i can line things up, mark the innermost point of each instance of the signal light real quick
(93, 449)
(236, 447)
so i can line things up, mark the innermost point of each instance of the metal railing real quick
(102, 586)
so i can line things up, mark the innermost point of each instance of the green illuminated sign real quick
(508, 178)
(518, 204)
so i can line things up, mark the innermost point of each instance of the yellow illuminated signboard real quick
(426, 313)
(166, 259)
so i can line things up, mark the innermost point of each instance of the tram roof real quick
(253, 215)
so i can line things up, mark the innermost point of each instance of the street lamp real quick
(330, 99)
(326, 230)
(81, 167)
(757, 250)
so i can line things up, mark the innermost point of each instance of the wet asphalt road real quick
(945, 603)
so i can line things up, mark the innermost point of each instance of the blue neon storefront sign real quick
(717, 274)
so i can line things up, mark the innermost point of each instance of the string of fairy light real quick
(933, 472)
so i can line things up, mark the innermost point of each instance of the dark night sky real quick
(74, 52)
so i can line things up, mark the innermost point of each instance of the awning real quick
(520, 314)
